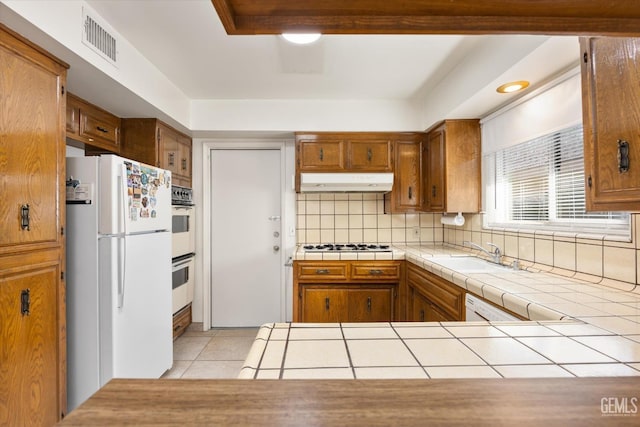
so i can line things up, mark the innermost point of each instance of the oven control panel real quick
(181, 195)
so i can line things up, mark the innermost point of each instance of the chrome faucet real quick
(496, 255)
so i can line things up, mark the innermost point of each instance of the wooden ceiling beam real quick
(550, 17)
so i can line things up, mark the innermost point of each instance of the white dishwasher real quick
(477, 309)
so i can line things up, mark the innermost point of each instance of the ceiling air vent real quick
(99, 37)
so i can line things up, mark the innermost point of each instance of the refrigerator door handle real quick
(122, 257)
(123, 188)
(122, 245)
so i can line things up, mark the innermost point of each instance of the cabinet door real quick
(72, 118)
(370, 156)
(324, 155)
(184, 154)
(29, 358)
(435, 175)
(31, 127)
(169, 149)
(406, 195)
(371, 305)
(322, 305)
(418, 306)
(611, 115)
(434, 314)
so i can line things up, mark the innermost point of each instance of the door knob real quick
(276, 248)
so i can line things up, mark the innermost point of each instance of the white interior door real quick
(246, 265)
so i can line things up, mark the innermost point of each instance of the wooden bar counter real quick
(549, 402)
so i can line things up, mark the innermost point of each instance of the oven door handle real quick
(181, 263)
(186, 208)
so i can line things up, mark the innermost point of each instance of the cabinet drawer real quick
(373, 271)
(96, 128)
(181, 321)
(322, 271)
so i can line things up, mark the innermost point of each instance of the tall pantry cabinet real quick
(32, 215)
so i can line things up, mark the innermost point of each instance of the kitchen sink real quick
(470, 265)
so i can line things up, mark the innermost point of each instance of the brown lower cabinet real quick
(346, 291)
(431, 298)
(332, 303)
(181, 321)
(373, 291)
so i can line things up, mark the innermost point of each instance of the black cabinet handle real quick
(184, 164)
(321, 154)
(375, 272)
(101, 129)
(25, 302)
(623, 156)
(369, 154)
(422, 315)
(433, 191)
(410, 192)
(171, 159)
(326, 303)
(25, 218)
(369, 304)
(324, 271)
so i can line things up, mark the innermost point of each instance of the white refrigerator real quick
(119, 316)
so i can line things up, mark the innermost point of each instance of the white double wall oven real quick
(183, 246)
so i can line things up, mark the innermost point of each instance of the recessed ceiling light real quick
(513, 86)
(301, 38)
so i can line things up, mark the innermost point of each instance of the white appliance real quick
(183, 231)
(182, 276)
(381, 182)
(477, 310)
(119, 314)
(183, 246)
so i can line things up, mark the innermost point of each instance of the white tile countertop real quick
(531, 293)
(577, 327)
(439, 350)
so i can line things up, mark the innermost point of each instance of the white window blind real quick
(540, 184)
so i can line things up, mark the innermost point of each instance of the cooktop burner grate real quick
(346, 247)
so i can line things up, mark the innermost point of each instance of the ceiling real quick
(186, 41)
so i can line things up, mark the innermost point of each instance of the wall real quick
(360, 218)
(57, 27)
(610, 262)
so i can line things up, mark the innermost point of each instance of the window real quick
(540, 184)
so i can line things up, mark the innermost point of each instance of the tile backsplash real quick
(360, 218)
(593, 258)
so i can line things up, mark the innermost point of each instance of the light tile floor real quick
(216, 353)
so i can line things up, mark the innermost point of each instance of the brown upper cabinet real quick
(370, 155)
(158, 144)
(451, 155)
(92, 125)
(611, 117)
(343, 152)
(406, 195)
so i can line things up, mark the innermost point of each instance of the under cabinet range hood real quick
(346, 182)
